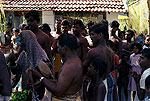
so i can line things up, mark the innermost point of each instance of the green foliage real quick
(138, 16)
(130, 1)
(2, 19)
(19, 96)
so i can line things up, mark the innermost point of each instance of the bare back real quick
(102, 52)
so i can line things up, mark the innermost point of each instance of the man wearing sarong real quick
(70, 77)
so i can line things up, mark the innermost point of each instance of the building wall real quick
(111, 16)
(49, 18)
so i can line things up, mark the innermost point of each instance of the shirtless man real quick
(71, 76)
(65, 26)
(99, 35)
(33, 20)
(82, 50)
(53, 42)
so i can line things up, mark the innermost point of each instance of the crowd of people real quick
(92, 62)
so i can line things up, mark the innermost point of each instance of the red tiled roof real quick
(65, 5)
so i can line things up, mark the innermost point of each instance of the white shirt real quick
(145, 74)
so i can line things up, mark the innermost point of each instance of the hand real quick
(34, 72)
(136, 76)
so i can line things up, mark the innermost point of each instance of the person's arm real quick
(57, 88)
(140, 92)
(47, 48)
(4, 77)
(84, 48)
(87, 61)
(101, 93)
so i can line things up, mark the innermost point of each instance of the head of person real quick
(125, 57)
(104, 21)
(65, 26)
(114, 25)
(97, 67)
(45, 28)
(145, 58)
(147, 40)
(9, 26)
(130, 34)
(66, 42)
(147, 84)
(33, 19)
(136, 47)
(22, 26)
(99, 32)
(16, 32)
(121, 35)
(77, 26)
(110, 44)
(58, 24)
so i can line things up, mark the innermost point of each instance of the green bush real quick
(19, 96)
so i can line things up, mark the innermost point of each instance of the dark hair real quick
(90, 23)
(44, 27)
(146, 52)
(16, 30)
(121, 32)
(68, 40)
(65, 23)
(99, 65)
(131, 32)
(34, 14)
(9, 24)
(138, 45)
(103, 28)
(114, 24)
(22, 26)
(103, 21)
(110, 43)
(77, 21)
(147, 82)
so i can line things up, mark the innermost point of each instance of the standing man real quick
(99, 35)
(65, 26)
(33, 20)
(68, 85)
(82, 50)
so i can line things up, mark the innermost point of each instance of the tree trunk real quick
(148, 2)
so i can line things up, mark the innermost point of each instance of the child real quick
(93, 86)
(123, 79)
(136, 48)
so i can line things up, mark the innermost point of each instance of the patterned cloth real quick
(30, 56)
(73, 97)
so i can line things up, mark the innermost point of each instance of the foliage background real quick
(138, 16)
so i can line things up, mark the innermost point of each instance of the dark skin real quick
(68, 82)
(101, 50)
(100, 90)
(144, 63)
(83, 43)
(42, 38)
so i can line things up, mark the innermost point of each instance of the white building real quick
(53, 9)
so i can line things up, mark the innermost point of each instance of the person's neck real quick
(101, 43)
(36, 31)
(70, 55)
(78, 35)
